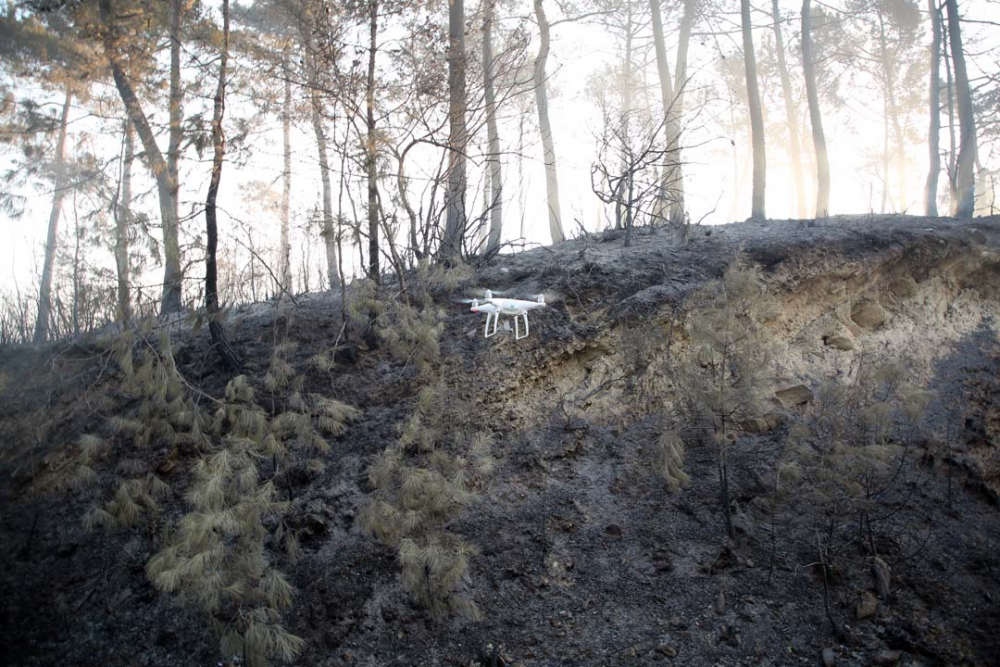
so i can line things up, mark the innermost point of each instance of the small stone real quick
(750, 612)
(614, 530)
(68, 549)
(762, 425)
(829, 658)
(903, 287)
(839, 342)
(742, 524)
(887, 658)
(867, 605)
(869, 315)
(883, 577)
(793, 396)
(720, 603)
(667, 650)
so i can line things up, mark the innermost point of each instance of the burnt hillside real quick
(863, 470)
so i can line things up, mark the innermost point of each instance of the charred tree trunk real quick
(965, 180)
(677, 210)
(952, 164)
(455, 221)
(545, 127)
(173, 276)
(815, 117)
(123, 225)
(492, 134)
(58, 193)
(623, 196)
(371, 147)
(757, 210)
(794, 149)
(329, 231)
(220, 339)
(667, 193)
(284, 248)
(885, 155)
(934, 132)
(340, 248)
(77, 278)
(403, 187)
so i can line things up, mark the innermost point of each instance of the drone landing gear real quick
(517, 335)
(496, 320)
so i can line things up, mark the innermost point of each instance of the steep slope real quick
(584, 557)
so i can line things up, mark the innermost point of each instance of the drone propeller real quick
(547, 296)
(485, 292)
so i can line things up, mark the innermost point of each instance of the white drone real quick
(495, 307)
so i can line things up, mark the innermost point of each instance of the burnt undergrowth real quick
(554, 500)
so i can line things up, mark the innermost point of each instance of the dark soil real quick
(585, 558)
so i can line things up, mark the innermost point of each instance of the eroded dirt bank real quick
(584, 557)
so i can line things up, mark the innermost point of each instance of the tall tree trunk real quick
(492, 135)
(173, 276)
(625, 183)
(166, 175)
(340, 237)
(669, 176)
(520, 173)
(483, 227)
(403, 187)
(329, 231)
(77, 278)
(680, 85)
(934, 133)
(966, 173)
(371, 147)
(790, 111)
(952, 164)
(545, 128)
(455, 224)
(58, 193)
(892, 108)
(123, 226)
(284, 248)
(757, 210)
(215, 325)
(815, 117)
(885, 154)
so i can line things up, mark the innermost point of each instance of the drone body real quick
(516, 308)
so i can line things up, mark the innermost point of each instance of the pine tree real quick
(725, 381)
(164, 416)
(217, 559)
(421, 484)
